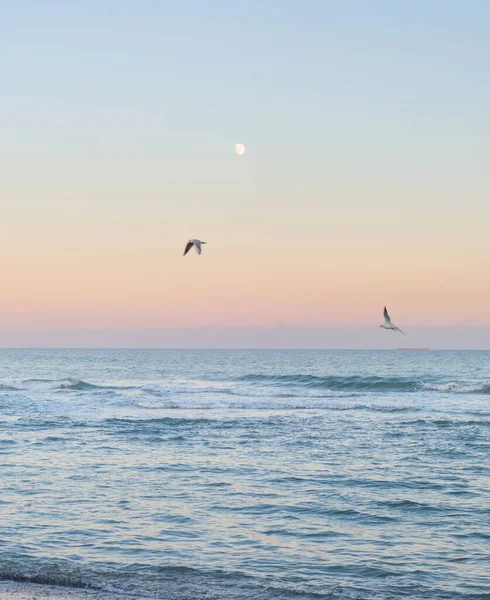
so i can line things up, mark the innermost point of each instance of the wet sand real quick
(12, 590)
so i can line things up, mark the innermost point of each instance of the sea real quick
(254, 474)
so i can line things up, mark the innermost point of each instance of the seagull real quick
(196, 244)
(388, 324)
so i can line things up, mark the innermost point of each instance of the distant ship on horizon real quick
(406, 348)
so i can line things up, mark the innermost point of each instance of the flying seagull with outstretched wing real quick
(196, 244)
(388, 324)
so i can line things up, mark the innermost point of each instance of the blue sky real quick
(366, 131)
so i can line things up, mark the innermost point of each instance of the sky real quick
(365, 180)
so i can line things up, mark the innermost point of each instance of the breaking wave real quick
(259, 391)
(371, 383)
(44, 385)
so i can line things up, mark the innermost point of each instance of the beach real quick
(12, 590)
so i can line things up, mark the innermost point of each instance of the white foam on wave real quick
(244, 391)
(181, 402)
(292, 392)
(40, 385)
(458, 387)
(185, 388)
(47, 385)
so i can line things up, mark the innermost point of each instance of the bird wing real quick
(398, 329)
(188, 247)
(197, 246)
(386, 315)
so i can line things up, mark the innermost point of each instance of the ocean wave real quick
(168, 391)
(58, 384)
(51, 579)
(454, 422)
(458, 387)
(5, 387)
(262, 404)
(46, 385)
(333, 382)
(259, 385)
(142, 581)
(363, 383)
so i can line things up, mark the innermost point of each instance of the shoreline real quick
(20, 590)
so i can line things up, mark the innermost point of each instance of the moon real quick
(239, 149)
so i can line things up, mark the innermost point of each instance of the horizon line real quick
(253, 349)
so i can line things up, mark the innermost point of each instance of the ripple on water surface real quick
(213, 474)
